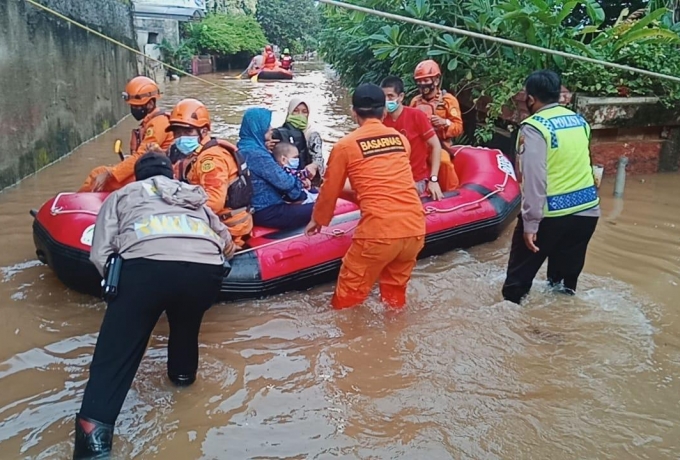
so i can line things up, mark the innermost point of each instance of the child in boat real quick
(288, 156)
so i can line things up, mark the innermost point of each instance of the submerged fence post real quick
(620, 183)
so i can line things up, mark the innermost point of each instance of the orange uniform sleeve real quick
(454, 116)
(155, 135)
(213, 175)
(333, 182)
(125, 169)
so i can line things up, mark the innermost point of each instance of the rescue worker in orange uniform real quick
(214, 165)
(142, 94)
(391, 231)
(270, 60)
(444, 112)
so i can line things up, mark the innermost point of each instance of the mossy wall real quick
(59, 85)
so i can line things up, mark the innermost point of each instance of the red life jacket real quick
(269, 59)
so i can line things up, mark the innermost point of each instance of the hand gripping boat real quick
(279, 261)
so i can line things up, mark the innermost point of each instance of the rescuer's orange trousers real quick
(448, 179)
(389, 261)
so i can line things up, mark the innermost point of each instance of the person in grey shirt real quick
(560, 206)
(173, 249)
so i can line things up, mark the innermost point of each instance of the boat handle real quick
(287, 255)
(472, 207)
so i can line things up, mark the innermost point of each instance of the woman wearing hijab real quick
(273, 188)
(298, 131)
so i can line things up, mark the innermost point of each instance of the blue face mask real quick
(392, 106)
(187, 144)
(294, 163)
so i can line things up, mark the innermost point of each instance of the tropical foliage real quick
(222, 35)
(363, 48)
(225, 34)
(293, 24)
(231, 6)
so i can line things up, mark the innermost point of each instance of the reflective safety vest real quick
(570, 182)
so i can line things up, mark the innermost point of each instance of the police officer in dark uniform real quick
(560, 204)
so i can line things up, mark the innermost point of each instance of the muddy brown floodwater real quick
(459, 374)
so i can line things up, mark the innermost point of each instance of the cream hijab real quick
(311, 129)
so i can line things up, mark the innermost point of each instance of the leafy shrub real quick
(226, 35)
(367, 48)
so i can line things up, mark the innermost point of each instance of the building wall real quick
(164, 29)
(59, 85)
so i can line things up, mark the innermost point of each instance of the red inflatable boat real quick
(278, 261)
(277, 73)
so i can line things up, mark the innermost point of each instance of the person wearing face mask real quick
(442, 107)
(287, 156)
(560, 204)
(425, 146)
(215, 165)
(141, 94)
(374, 159)
(273, 189)
(298, 131)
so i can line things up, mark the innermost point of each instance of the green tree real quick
(365, 48)
(225, 35)
(232, 6)
(611, 9)
(293, 24)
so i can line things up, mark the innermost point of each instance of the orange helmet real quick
(140, 90)
(427, 69)
(189, 113)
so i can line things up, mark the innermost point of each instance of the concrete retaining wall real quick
(59, 85)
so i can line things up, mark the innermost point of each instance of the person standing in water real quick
(560, 204)
(172, 247)
(391, 231)
(141, 94)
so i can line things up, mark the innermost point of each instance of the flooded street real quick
(459, 374)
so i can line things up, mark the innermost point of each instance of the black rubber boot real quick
(182, 380)
(93, 439)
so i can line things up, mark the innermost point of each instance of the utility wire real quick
(122, 45)
(503, 41)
